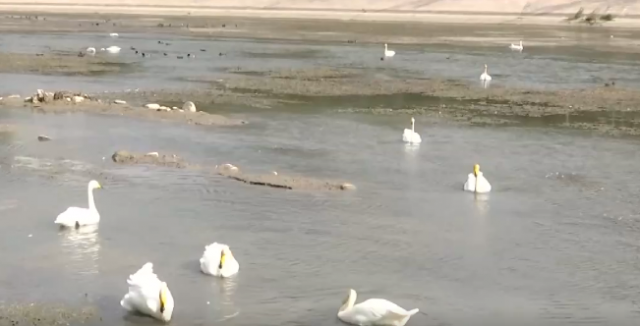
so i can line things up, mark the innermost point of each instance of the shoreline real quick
(297, 14)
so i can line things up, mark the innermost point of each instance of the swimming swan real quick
(476, 182)
(111, 49)
(485, 75)
(410, 135)
(516, 47)
(387, 52)
(76, 216)
(148, 295)
(373, 312)
(218, 260)
(91, 50)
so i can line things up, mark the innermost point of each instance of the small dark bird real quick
(180, 57)
(144, 55)
(159, 42)
(165, 54)
(137, 52)
(203, 50)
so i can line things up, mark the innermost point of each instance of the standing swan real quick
(148, 295)
(476, 182)
(373, 312)
(388, 53)
(485, 75)
(410, 135)
(516, 47)
(112, 49)
(218, 260)
(76, 216)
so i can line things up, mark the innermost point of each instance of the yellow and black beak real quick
(476, 169)
(163, 300)
(222, 259)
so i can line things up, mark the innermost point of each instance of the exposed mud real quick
(230, 171)
(91, 104)
(153, 158)
(62, 64)
(46, 315)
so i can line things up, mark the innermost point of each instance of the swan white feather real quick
(373, 312)
(516, 47)
(476, 182)
(485, 75)
(218, 260)
(410, 135)
(148, 295)
(77, 216)
(387, 52)
(112, 49)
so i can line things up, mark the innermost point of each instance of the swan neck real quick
(92, 204)
(413, 126)
(351, 301)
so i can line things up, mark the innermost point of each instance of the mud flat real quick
(273, 180)
(61, 64)
(80, 102)
(46, 315)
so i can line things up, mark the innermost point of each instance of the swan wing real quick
(470, 185)
(72, 215)
(483, 184)
(381, 312)
(211, 259)
(144, 289)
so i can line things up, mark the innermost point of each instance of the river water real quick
(555, 243)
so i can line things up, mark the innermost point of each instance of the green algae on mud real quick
(62, 64)
(46, 315)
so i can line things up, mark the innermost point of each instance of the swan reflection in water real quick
(481, 202)
(411, 149)
(82, 248)
(224, 289)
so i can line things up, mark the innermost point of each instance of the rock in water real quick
(152, 106)
(44, 138)
(189, 106)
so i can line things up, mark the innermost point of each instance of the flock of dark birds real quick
(189, 55)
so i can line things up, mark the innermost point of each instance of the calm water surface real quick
(555, 243)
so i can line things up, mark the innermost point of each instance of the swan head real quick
(349, 301)
(93, 184)
(413, 120)
(225, 254)
(476, 169)
(166, 302)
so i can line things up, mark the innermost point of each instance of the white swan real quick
(410, 135)
(373, 312)
(485, 75)
(218, 260)
(91, 50)
(76, 216)
(476, 182)
(388, 53)
(516, 47)
(113, 35)
(148, 295)
(111, 49)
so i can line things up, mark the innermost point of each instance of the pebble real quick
(347, 186)
(119, 102)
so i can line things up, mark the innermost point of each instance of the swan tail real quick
(413, 312)
(125, 302)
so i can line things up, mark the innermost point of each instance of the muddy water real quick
(554, 243)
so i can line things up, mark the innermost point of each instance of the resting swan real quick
(373, 312)
(111, 49)
(148, 295)
(388, 53)
(516, 47)
(485, 75)
(76, 216)
(218, 260)
(476, 182)
(410, 135)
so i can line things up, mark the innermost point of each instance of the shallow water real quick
(554, 243)
(569, 62)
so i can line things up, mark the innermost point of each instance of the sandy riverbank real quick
(519, 12)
